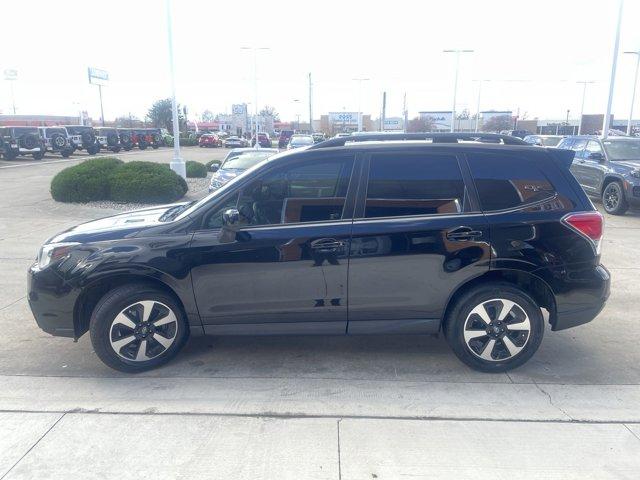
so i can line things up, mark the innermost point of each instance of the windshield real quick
(77, 130)
(25, 130)
(551, 141)
(301, 140)
(246, 160)
(622, 149)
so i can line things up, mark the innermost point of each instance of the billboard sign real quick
(343, 118)
(97, 76)
(239, 109)
(10, 74)
(393, 123)
(440, 119)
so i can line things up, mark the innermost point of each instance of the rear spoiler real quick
(562, 156)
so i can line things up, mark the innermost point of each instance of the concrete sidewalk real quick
(87, 446)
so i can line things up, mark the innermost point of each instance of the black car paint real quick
(271, 279)
(594, 174)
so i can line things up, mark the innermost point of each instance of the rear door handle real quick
(328, 245)
(462, 234)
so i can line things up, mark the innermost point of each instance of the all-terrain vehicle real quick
(108, 139)
(56, 140)
(126, 138)
(83, 137)
(21, 141)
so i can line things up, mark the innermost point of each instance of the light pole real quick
(360, 80)
(478, 104)
(11, 75)
(177, 164)
(633, 95)
(455, 84)
(612, 80)
(584, 94)
(296, 103)
(255, 86)
(310, 104)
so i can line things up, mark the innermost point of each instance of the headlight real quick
(635, 173)
(53, 252)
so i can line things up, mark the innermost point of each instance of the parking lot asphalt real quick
(309, 407)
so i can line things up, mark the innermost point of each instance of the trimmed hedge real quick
(196, 169)
(184, 142)
(88, 181)
(146, 182)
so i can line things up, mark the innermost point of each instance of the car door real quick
(577, 167)
(284, 267)
(594, 166)
(417, 234)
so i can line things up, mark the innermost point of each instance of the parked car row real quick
(65, 140)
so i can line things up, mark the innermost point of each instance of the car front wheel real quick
(613, 199)
(137, 327)
(494, 328)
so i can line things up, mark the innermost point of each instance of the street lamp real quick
(478, 104)
(360, 80)
(612, 79)
(255, 85)
(177, 164)
(633, 95)
(296, 103)
(584, 93)
(455, 83)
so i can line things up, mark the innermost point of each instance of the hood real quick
(123, 225)
(633, 164)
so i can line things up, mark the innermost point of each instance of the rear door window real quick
(506, 181)
(414, 184)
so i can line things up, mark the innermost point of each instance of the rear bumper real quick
(583, 304)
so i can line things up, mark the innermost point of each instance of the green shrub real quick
(211, 162)
(146, 182)
(196, 169)
(85, 182)
(184, 141)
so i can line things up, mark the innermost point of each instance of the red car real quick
(209, 140)
(263, 140)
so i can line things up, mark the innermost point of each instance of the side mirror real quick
(230, 217)
(215, 167)
(596, 156)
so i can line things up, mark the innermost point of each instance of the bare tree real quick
(419, 124)
(497, 124)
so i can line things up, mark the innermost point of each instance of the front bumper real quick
(52, 302)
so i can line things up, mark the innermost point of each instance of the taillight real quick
(588, 224)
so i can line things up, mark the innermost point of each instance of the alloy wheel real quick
(497, 330)
(611, 197)
(143, 331)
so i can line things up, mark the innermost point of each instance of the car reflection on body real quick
(234, 165)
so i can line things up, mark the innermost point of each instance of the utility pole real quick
(455, 84)
(310, 104)
(255, 86)
(633, 95)
(477, 126)
(101, 108)
(612, 80)
(384, 111)
(360, 80)
(177, 164)
(584, 94)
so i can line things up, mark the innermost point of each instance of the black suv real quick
(21, 141)
(83, 137)
(56, 140)
(608, 169)
(108, 139)
(425, 234)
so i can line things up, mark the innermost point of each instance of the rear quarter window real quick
(507, 181)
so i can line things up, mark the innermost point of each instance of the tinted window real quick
(508, 181)
(578, 147)
(312, 192)
(593, 147)
(405, 184)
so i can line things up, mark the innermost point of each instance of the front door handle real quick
(463, 234)
(328, 245)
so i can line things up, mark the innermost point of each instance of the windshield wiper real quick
(173, 212)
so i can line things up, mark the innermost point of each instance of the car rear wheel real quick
(613, 199)
(137, 327)
(38, 155)
(494, 328)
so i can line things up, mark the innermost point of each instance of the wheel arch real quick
(607, 180)
(528, 282)
(92, 293)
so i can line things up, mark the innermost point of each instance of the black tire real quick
(142, 146)
(66, 153)
(104, 329)
(115, 149)
(10, 154)
(93, 149)
(128, 147)
(38, 155)
(461, 319)
(155, 147)
(613, 199)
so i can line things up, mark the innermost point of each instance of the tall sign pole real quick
(633, 95)
(177, 164)
(612, 80)
(11, 75)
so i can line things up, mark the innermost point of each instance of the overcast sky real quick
(546, 45)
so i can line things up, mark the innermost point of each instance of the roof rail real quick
(434, 137)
